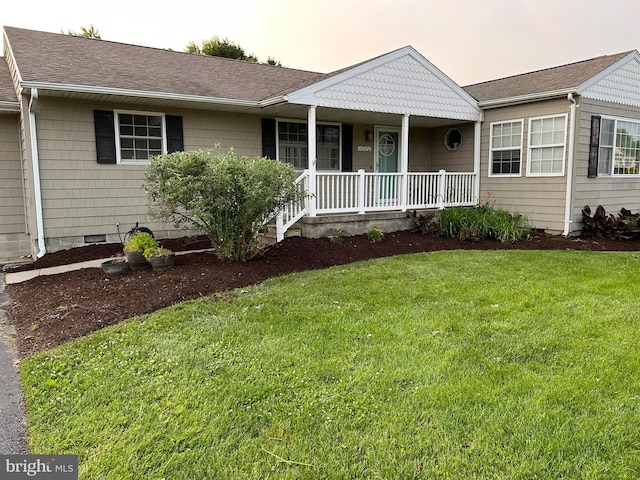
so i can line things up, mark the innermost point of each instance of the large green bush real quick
(229, 197)
(483, 221)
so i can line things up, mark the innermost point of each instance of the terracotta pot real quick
(113, 268)
(161, 262)
(136, 260)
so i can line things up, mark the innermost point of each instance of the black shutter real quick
(347, 148)
(105, 136)
(594, 147)
(269, 138)
(175, 139)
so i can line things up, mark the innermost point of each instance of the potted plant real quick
(135, 247)
(113, 268)
(160, 258)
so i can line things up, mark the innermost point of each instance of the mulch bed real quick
(50, 310)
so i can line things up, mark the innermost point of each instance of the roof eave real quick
(56, 87)
(519, 99)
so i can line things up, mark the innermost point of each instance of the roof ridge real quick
(620, 54)
(167, 50)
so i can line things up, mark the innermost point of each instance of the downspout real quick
(37, 193)
(477, 132)
(572, 133)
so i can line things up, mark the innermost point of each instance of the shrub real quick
(375, 234)
(140, 242)
(483, 221)
(229, 197)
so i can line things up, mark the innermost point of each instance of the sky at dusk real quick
(469, 40)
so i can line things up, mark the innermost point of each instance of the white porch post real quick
(404, 163)
(311, 127)
(476, 161)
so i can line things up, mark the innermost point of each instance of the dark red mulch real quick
(50, 310)
(106, 250)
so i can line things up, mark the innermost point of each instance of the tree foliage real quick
(90, 32)
(217, 47)
(229, 197)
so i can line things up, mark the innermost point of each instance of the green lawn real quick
(459, 365)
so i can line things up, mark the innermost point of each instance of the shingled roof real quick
(60, 59)
(548, 80)
(7, 92)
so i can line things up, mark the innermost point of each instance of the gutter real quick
(503, 102)
(572, 133)
(58, 87)
(9, 106)
(37, 193)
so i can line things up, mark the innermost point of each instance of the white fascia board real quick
(57, 87)
(305, 96)
(504, 102)
(607, 71)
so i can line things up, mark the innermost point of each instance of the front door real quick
(387, 155)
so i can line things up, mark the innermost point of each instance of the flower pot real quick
(113, 268)
(136, 260)
(161, 262)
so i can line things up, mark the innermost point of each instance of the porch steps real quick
(269, 236)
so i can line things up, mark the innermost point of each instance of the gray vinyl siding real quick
(541, 199)
(13, 239)
(82, 197)
(427, 152)
(460, 160)
(613, 193)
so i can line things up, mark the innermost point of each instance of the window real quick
(292, 145)
(453, 139)
(547, 140)
(506, 148)
(619, 152)
(139, 136)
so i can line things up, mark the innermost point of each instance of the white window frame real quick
(288, 120)
(614, 147)
(504, 149)
(116, 121)
(530, 148)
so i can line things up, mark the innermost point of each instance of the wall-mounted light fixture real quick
(368, 135)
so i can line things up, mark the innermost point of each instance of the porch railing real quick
(294, 211)
(362, 192)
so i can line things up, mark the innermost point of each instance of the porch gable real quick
(401, 82)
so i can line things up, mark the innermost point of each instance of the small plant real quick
(425, 223)
(140, 242)
(338, 238)
(375, 234)
(157, 252)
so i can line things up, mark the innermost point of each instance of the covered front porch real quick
(389, 135)
(364, 193)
